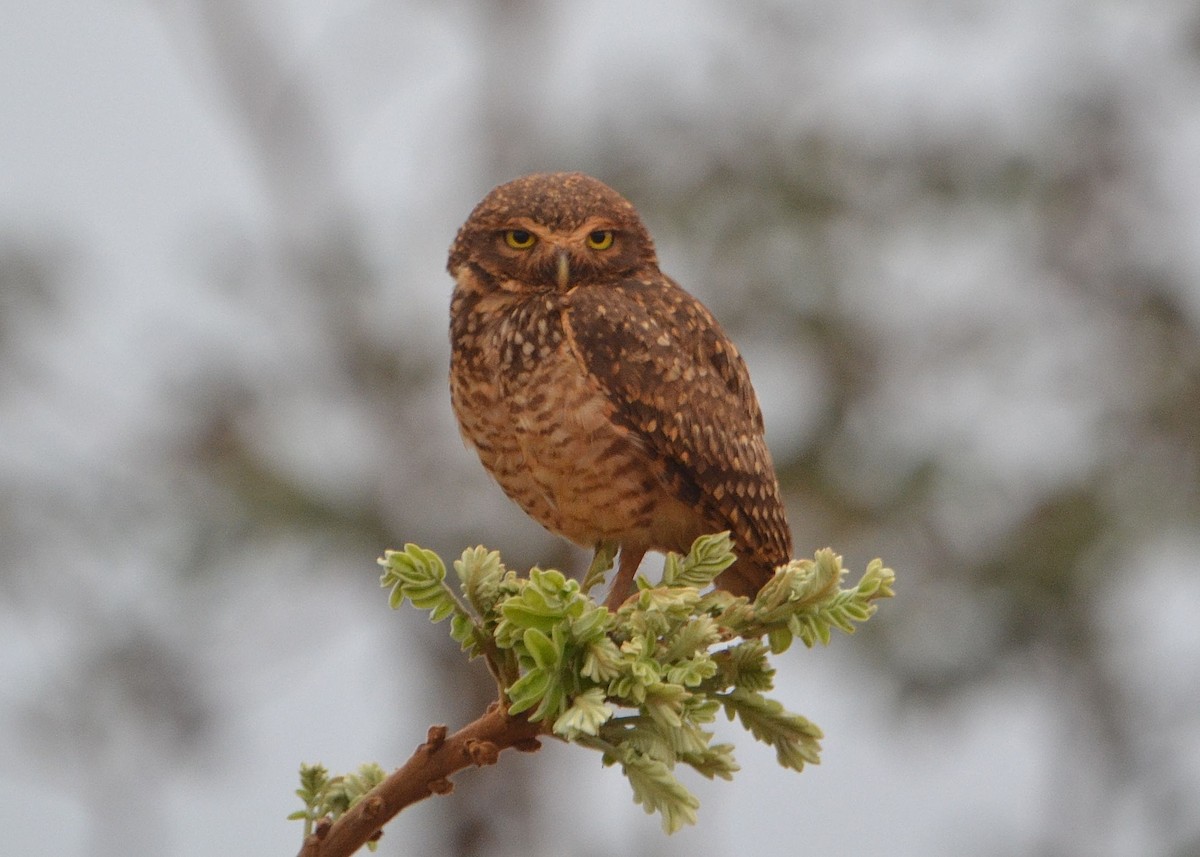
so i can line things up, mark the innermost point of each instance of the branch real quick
(426, 773)
(640, 684)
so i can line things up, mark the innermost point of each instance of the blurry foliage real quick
(31, 275)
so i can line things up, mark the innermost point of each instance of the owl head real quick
(553, 231)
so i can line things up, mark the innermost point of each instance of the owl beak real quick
(564, 269)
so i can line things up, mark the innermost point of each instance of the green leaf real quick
(553, 703)
(687, 741)
(418, 575)
(796, 739)
(745, 666)
(639, 670)
(440, 606)
(702, 708)
(780, 639)
(468, 633)
(693, 637)
(825, 573)
(314, 779)
(546, 599)
(642, 735)
(657, 790)
(876, 581)
(413, 566)
(708, 557)
(811, 629)
(590, 625)
(716, 761)
(347, 790)
(672, 570)
(528, 690)
(587, 713)
(481, 572)
(692, 672)
(658, 605)
(602, 661)
(541, 648)
(664, 702)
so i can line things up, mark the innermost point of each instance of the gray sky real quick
(125, 160)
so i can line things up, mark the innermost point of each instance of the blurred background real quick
(957, 242)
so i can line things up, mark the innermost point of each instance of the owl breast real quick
(543, 428)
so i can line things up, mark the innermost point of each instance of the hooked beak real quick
(564, 269)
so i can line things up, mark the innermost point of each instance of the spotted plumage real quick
(605, 400)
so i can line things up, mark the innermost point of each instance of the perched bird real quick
(605, 400)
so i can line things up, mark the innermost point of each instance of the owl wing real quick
(680, 386)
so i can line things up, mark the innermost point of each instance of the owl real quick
(605, 400)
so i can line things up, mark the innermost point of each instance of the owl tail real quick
(745, 577)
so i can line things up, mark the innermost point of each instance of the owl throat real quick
(501, 335)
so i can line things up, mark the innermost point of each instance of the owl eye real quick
(519, 239)
(601, 239)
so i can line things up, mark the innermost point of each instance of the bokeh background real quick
(958, 243)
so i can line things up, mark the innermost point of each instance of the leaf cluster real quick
(643, 684)
(329, 797)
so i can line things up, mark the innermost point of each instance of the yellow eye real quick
(519, 239)
(601, 239)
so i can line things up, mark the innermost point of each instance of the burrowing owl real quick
(605, 400)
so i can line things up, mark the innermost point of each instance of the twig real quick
(426, 773)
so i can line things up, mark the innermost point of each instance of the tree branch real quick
(426, 773)
(674, 655)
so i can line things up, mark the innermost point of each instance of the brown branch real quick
(426, 773)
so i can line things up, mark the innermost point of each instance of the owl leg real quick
(622, 585)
